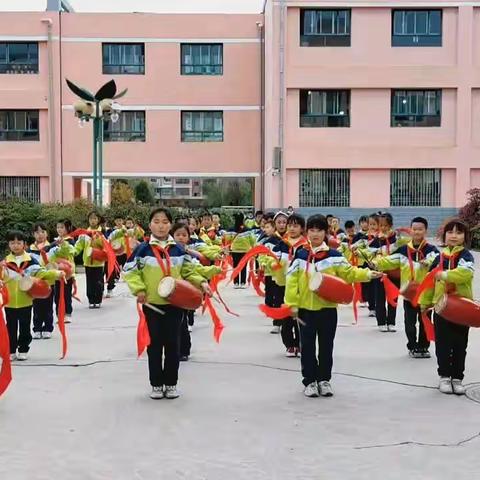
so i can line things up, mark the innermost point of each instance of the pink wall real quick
(369, 188)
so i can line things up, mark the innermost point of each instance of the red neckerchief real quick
(452, 259)
(42, 253)
(313, 257)
(292, 248)
(165, 266)
(19, 269)
(419, 255)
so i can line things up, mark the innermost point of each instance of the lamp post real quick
(97, 107)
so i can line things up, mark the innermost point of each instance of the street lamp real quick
(98, 107)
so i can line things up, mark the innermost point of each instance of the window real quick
(124, 58)
(129, 128)
(202, 59)
(182, 181)
(182, 192)
(416, 28)
(325, 188)
(202, 126)
(26, 188)
(324, 108)
(18, 57)
(325, 28)
(415, 187)
(19, 125)
(416, 108)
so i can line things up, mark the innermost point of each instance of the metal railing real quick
(325, 188)
(415, 187)
(25, 188)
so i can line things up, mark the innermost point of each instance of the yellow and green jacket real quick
(307, 262)
(240, 242)
(264, 261)
(285, 251)
(64, 250)
(14, 269)
(118, 237)
(210, 236)
(212, 252)
(457, 276)
(143, 273)
(84, 241)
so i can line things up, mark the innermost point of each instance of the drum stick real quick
(155, 309)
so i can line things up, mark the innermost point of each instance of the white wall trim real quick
(387, 4)
(177, 108)
(23, 38)
(164, 174)
(156, 40)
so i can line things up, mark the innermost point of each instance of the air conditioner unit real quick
(277, 160)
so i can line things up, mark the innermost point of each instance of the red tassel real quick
(357, 297)
(428, 325)
(427, 284)
(75, 291)
(217, 323)
(6, 370)
(128, 248)
(391, 291)
(281, 313)
(143, 335)
(258, 250)
(256, 285)
(112, 263)
(81, 231)
(61, 318)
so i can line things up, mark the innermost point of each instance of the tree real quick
(122, 193)
(143, 193)
(228, 192)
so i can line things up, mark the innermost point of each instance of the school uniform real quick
(240, 243)
(118, 239)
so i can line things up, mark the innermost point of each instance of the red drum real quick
(35, 287)
(409, 291)
(394, 274)
(97, 255)
(459, 310)
(331, 288)
(117, 247)
(333, 242)
(180, 293)
(65, 266)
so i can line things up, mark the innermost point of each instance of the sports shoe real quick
(37, 335)
(372, 314)
(68, 318)
(363, 305)
(22, 356)
(445, 385)
(46, 335)
(424, 353)
(184, 358)
(275, 329)
(290, 352)
(412, 353)
(171, 391)
(91, 306)
(458, 387)
(311, 390)
(157, 393)
(109, 294)
(391, 328)
(13, 357)
(297, 351)
(97, 305)
(190, 328)
(383, 328)
(325, 389)
(236, 286)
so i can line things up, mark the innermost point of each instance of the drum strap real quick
(313, 257)
(19, 269)
(164, 265)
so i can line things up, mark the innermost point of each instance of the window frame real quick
(337, 199)
(416, 118)
(315, 120)
(33, 189)
(408, 183)
(15, 134)
(29, 68)
(218, 66)
(327, 39)
(125, 135)
(417, 39)
(217, 137)
(121, 68)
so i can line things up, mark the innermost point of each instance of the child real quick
(414, 261)
(318, 316)
(349, 231)
(207, 232)
(118, 239)
(451, 339)
(144, 270)
(93, 268)
(135, 233)
(18, 311)
(280, 219)
(363, 225)
(42, 307)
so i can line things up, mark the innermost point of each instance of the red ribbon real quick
(74, 291)
(217, 322)
(281, 313)
(165, 266)
(112, 263)
(128, 248)
(6, 370)
(357, 297)
(258, 250)
(61, 318)
(428, 325)
(391, 291)
(143, 335)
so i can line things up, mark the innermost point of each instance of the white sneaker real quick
(445, 385)
(458, 387)
(236, 287)
(109, 295)
(13, 357)
(391, 328)
(22, 356)
(275, 329)
(157, 393)
(47, 335)
(171, 391)
(372, 314)
(190, 328)
(68, 318)
(383, 328)
(325, 389)
(290, 352)
(311, 390)
(37, 335)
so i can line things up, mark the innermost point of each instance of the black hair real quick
(317, 221)
(67, 224)
(238, 222)
(363, 218)
(259, 212)
(328, 216)
(129, 218)
(181, 220)
(349, 224)
(420, 220)
(15, 235)
(156, 211)
(268, 216)
(388, 217)
(94, 212)
(460, 226)
(178, 226)
(374, 216)
(39, 225)
(270, 221)
(206, 215)
(296, 219)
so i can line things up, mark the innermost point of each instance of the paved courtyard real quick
(242, 414)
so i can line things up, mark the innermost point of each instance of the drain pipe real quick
(51, 111)
(261, 30)
(281, 106)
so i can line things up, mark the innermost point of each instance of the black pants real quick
(185, 338)
(43, 314)
(94, 284)
(68, 287)
(164, 349)
(290, 334)
(385, 313)
(18, 326)
(451, 342)
(412, 317)
(191, 317)
(242, 277)
(368, 294)
(274, 296)
(121, 259)
(321, 324)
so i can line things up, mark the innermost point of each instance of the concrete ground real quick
(242, 414)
